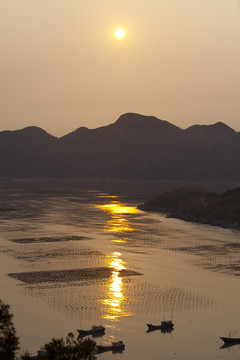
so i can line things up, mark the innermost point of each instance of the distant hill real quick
(195, 205)
(30, 152)
(134, 147)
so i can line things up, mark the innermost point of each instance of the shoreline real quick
(220, 209)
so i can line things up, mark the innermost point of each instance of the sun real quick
(119, 33)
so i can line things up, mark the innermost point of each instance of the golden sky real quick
(62, 67)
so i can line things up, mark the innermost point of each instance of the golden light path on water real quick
(118, 211)
(118, 223)
(115, 289)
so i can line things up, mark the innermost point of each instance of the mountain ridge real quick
(134, 147)
(123, 119)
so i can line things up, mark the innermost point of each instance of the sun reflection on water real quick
(119, 212)
(115, 295)
(120, 222)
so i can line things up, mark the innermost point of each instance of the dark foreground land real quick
(201, 206)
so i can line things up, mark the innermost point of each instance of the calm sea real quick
(75, 254)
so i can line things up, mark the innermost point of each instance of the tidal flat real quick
(78, 253)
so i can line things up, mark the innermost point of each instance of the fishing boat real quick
(118, 344)
(93, 331)
(115, 346)
(230, 340)
(165, 325)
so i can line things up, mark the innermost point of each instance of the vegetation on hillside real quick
(195, 205)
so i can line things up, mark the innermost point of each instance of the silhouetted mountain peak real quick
(143, 122)
(34, 131)
(136, 119)
(221, 127)
(218, 129)
(78, 132)
(28, 132)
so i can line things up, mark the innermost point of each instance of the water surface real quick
(73, 255)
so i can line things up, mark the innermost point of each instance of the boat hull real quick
(228, 340)
(95, 332)
(113, 348)
(167, 327)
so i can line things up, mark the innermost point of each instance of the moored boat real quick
(93, 331)
(115, 346)
(165, 325)
(230, 340)
(118, 344)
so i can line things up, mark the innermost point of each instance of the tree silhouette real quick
(8, 340)
(69, 348)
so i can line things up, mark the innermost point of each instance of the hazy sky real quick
(61, 67)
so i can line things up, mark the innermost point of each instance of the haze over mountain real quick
(134, 147)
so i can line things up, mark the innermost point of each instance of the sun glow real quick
(119, 33)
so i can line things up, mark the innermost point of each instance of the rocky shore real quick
(200, 206)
